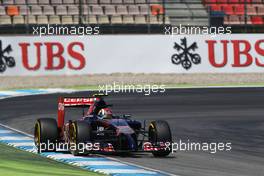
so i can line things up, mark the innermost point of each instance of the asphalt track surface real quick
(233, 115)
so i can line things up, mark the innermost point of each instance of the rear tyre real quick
(159, 132)
(46, 134)
(80, 134)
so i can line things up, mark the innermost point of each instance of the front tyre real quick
(46, 134)
(159, 132)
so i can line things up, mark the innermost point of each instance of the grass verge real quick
(94, 87)
(182, 85)
(20, 163)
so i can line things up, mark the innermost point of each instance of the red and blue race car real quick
(100, 131)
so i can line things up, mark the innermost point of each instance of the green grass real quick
(14, 162)
(212, 85)
(181, 85)
(84, 87)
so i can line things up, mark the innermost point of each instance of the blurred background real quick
(131, 16)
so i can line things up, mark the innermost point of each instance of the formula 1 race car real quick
(100, 130)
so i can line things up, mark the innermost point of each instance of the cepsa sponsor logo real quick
(55, 59)
(78, 100)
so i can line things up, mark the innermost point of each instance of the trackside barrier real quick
(71, 55)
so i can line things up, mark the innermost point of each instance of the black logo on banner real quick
(185, 55)
(5, 60)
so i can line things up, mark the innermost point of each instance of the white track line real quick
(18, 144)
(216, 87)
(136, 165)
(98, 163)
(124, 171)
(14, 94)
(10, 93)
(6, 132)
(62, 156)
(12, 138)
(8, 127)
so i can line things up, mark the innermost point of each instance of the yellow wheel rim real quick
(74, 134)
(37, 133)
(152, 126)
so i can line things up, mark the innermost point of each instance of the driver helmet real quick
(105, 113)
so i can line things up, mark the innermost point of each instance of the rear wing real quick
(78, 101)
(65, 102)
